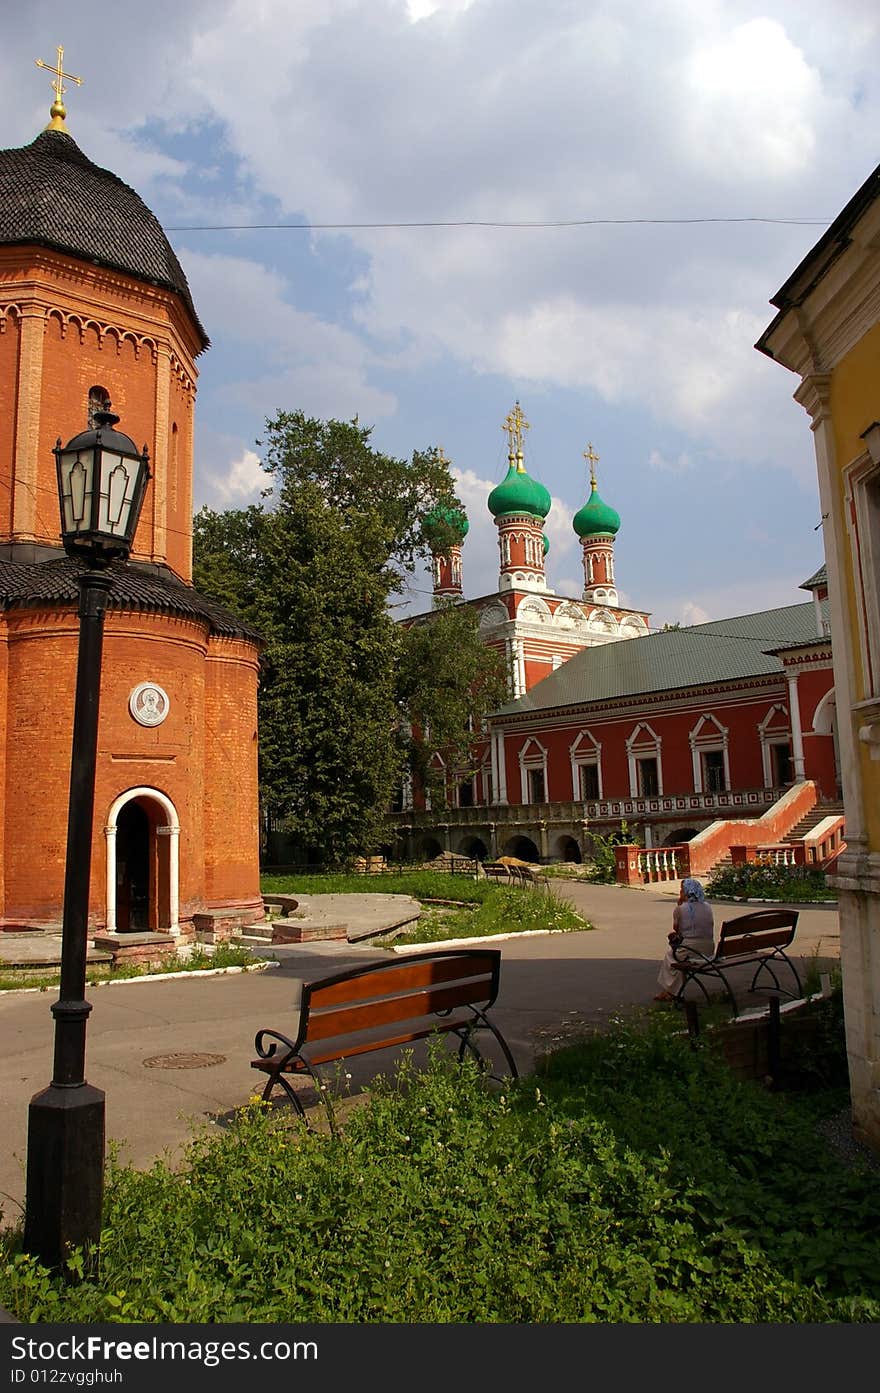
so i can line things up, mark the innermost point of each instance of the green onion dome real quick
(545, 540)
(595, 518)
(445, 525)
(518, 493)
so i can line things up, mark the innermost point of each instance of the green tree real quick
(314, 570)
(448, 680)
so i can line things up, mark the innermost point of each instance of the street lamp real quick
(102, 479)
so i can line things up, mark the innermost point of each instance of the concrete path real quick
(552, 987)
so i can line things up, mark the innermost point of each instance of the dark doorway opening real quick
(133, 869)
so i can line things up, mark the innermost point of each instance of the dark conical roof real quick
(51, 194)
(50, 583)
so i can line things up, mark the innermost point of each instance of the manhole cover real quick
(183, 1061)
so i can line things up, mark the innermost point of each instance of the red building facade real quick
(94, 307)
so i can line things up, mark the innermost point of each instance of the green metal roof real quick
(820, 578)
(596, 518)
(724, 650)
(444, 517)
(518, 492)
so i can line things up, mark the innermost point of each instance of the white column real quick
(110, 922)
(797, 739)
(173, 835)
(499, 773)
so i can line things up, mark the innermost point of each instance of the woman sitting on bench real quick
(693, 926)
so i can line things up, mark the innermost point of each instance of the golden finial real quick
(58, 110)
(593, 459)
(515, 423)
(441, 455)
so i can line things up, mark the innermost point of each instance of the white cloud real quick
(751, 102)
(681, 463)
(244, 480)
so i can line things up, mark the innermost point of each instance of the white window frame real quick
(644, 743)
(533, 755)
(709, 736)
(585, 750)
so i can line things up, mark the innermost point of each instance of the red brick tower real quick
(94, 306)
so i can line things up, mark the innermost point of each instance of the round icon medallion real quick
(149, 704)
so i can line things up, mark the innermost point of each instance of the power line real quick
(537, 224)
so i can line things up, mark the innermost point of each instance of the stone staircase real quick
(817, 814)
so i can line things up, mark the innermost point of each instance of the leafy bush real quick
(761, 880)
(634, 1180)
(602, 869)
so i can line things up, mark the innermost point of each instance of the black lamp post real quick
(101, 483)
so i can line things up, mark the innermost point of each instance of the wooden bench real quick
(380, 1006)
(758, 939)
(514, 875)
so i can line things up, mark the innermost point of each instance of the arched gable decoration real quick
(602, 621)
(492, 616)
(170, 830)
(533, 610)
(825, 714)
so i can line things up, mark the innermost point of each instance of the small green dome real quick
(546, 543)
(518, 493)
(441, 517)
(595, 518)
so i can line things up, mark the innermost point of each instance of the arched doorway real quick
(523, 848)
(474, 847)
(142, 835)
(569, 850)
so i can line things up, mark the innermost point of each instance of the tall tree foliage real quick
(314, 572)
(447, 681)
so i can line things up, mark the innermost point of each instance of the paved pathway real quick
(551, 986)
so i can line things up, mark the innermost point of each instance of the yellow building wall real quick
(855, 405)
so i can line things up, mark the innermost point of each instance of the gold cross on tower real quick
(593, 459)
(58, 110)
(515, 423)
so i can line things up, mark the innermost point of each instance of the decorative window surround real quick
(771, 734)
(707, 737)
(644, 743)
(585, 750)
(862, 484)
(532, 756)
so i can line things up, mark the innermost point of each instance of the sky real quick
(616, 191)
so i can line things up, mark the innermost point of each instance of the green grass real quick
(224, 955)
(504, 910)
(486, 907)
(634, 1180)
(421, 885)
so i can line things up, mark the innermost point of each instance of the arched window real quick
(99, 400)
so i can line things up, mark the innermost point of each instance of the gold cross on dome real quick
(515, 423)
(593, 459)
(58, 87)
(441, 456)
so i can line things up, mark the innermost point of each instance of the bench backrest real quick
(764, 929)
(421, 984)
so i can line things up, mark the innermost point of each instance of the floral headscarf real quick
(693, 889)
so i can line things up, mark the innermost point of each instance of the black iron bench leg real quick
(320, 1088)
(280, 1081)
(690, 977)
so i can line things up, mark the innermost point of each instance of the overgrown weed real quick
(632, 1180)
